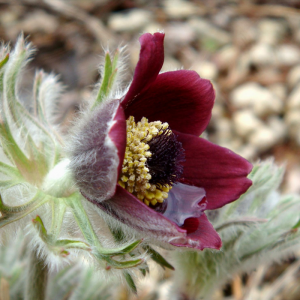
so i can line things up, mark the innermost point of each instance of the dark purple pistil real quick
(165, 164)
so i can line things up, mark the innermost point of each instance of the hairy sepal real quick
(94, 156)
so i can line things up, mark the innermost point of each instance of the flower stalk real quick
(36, 279)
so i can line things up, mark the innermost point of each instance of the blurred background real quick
(248, 49)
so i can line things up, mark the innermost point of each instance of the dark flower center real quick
(167, 155)
(153, 161)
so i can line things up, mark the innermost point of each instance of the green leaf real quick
(38, 108)
(2, 64)
(58, 246)
(109, 76)
(144, 270)
(40, 225)
(10, 171)
(115, 59)
(130, 282)
(13, 213)
(104, 90)
(117, 233)
(297, 225)
(16, 118)
(4, 60)
(121, 264)
(11, 147)
(158, 258)
(127, 249)
(88, 232)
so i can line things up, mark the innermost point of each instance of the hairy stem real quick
(36, 280)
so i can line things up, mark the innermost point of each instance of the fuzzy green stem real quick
(37, 276)
(102, 254)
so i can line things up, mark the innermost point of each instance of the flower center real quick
(152, 162)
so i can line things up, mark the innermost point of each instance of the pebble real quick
(254, 96)
(263, 138)
(293, 180)
(288, 55)
(243, 66)
(223, 17)
(217, 112)
(226, 57)
(294, 25)
(224, 130)
(268, 75)
(179, 33)
(205, 29)
(271, 31)
(297, 35)
(247, 151)
(170, 64)
(278, 89)
(8, 18)
(262, 54)
(244, 32)
(178, 9)
(153, 27)
(133, 20)
(293, 101)
(278, 126)
(40, 21)
(292, 119)
(234, 144)
(205, 69)
(293, 77)
(246, 122)
(134, 53)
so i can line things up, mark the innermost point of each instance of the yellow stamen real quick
(135, 175)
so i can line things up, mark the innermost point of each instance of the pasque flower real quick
(139, 156)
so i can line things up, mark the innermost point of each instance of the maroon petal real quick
(150, 62)
(205, 235)
(181, 98)
(98, 151)
(221, 172)
(118, 135)
(191, 225)
(134, 213)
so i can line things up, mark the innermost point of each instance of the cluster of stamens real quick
(136, 175)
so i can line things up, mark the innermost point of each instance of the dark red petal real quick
(191, 225)
(149, 64)
(205, 235)
(181, 98)
(132, 212)
(118, 135)
(221, 172)
(98, 151)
